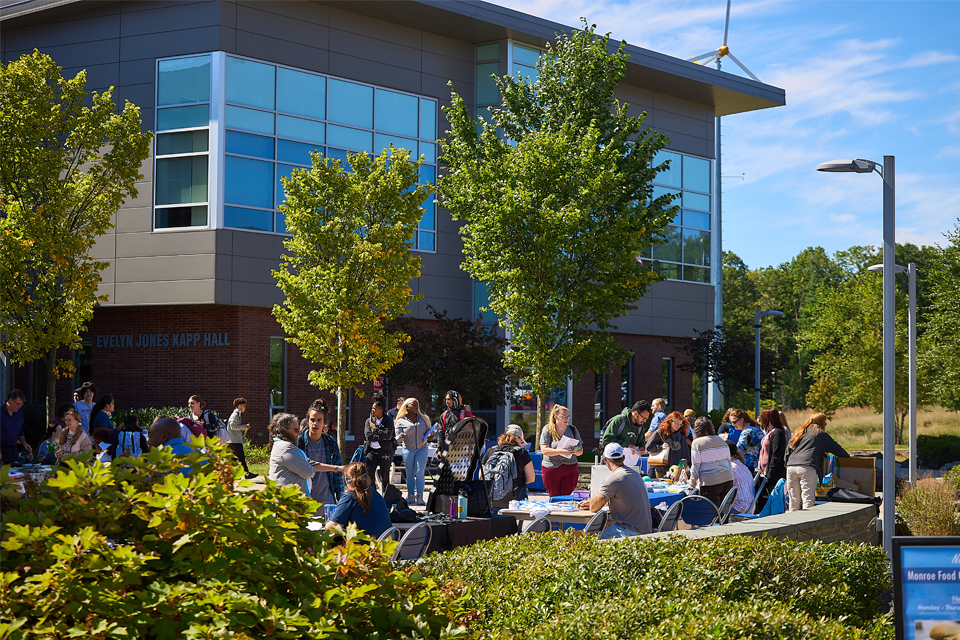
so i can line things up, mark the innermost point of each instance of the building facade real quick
(239, 93)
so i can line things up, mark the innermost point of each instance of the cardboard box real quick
(859, 471)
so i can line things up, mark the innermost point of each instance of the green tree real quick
(66, 168)
(556, 199)
(455, 354)
(349, 268)
(940, 344)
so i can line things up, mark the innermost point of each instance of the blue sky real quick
(862, 79)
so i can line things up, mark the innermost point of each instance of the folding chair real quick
(698, 511)
(726, 505)
(390, 534)
(670, 518)
(776, 504)
(597, 524)
(414, 543)
(540, 525)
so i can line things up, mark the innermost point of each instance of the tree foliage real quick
(456, 354)
(556, 199)
(940, 343)
(66, 168)
(348, 267)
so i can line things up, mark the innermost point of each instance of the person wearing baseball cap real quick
(626, 495)
(512, 442)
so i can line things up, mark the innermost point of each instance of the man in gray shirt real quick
(626, 494)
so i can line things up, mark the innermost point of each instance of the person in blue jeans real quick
(361, 504)
(412, 428)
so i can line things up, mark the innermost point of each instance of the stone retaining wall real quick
(830, 522)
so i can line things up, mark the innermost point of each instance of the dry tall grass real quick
(930, 508)
(861, 428)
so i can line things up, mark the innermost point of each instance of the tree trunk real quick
(541, 405)
(51, 364)
(342, 423)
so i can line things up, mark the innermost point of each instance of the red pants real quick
(561, 481)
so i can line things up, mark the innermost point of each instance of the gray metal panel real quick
(255, 270)
(107, 286)
(294, 54)
(448, 68)
(388, 31)
(85, 29)
(182, 41)
(449, 47)
(176, 267)
(454, 308)
(676, 290)
(374, 49)
(138, 72)
(446, 288)
(378, 73)
(165, 292)
(148, 18)
(166, 243)
(252, 294)
(440, 264)
(255, 245)
(96, 52)
(290, 21)
(135, 219)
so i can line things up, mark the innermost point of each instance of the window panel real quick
(251, 83)
(283, 171)
(183, 117)
(487, 91)
(339, 154)
(301, 129)
(350, 103)
(281, 222)
(396, 113)
(696, 174)
(426, 241)
(296, 152)
(181, 180)
(696, 274)
(183, 80)
(669, 271)
(350, 138)
(487, 52)
(173, 217)
(382, 141)
(247, 144)
(249, 119)
(278, 375)
(428, 174)
(238, 218)
(428, 119)
(169, 144)
(660, 191)
(696, 219)
(670, 250)
(248, 182)
(428, 219)
(303, 94)
(526, 55)
(527, 73)
(669, 177)
(696, 201)
(696, 247)
(429, 151)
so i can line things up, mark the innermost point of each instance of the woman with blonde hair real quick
(412, 428)
(361, 504)
(674, 433)
(560, 467)
(805, 453)
(73, 439)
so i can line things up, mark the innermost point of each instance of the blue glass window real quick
(426, 241)
(183, 117)
(183, 80)
(249, 119)
(396, 113)
(281, 223)
(696, 174)
(428, 219)
(350, 138)
(696, 201)
(526, 55)
(487, 52)
(238, 218)
(428, 119)
(696, 247)
(382, 141)
(487, 90)
(428, 174)
(248, 182)
(696, 274)
(181, 180)
(169, 144)
(303, 94)
(659, 191)
(339, 154)
(283, 171)
(296, 152)
(527, 73)
(696, 219)
(251, 83)
(170, 217)
(669, 177)
(301, 129)
(669, 271)
(429, 151)
(350, 103)
(671, 249)
(247, 144)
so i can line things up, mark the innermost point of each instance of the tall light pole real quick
(888, 173)
(756, 359)
(911, 270)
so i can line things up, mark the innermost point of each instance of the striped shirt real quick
(710, 460)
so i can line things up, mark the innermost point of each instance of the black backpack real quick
(501, 469)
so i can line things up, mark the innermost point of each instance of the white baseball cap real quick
(613, 451)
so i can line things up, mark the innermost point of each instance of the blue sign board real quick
(926, 574)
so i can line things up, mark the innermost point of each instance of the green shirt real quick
(622, 430)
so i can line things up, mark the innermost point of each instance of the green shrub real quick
(953, 478)
(938, 450)
(930, 507)
(558, 580)
(137, 550)
(148, 414)
(256, 454)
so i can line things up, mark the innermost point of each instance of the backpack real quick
(194, 428)
(501, 468)
(213, 425)
(128, 444)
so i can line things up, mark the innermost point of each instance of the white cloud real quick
(927, 58)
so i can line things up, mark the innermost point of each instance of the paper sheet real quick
(631, 457)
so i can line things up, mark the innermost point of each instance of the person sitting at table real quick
(512, 442)
(101, 444)
(73, 439)
(46, 452)
(742, 480)
(673, 433)
(626, 494)
(361, 504)
(560, 467)
(710, 466)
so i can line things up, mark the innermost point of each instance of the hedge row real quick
(558, 586)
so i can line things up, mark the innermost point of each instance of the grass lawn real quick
(259, 469)
(861, 429)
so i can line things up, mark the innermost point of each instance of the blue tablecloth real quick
(665, 498)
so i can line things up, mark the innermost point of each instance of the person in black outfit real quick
(379, 442)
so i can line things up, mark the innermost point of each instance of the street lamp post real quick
(756, 359)
(888, 173)
(911, 271)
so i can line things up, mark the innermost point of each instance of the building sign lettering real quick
(161, 340)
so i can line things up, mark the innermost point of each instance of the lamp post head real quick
(897, 268)
(772, 313)
(848, 166)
